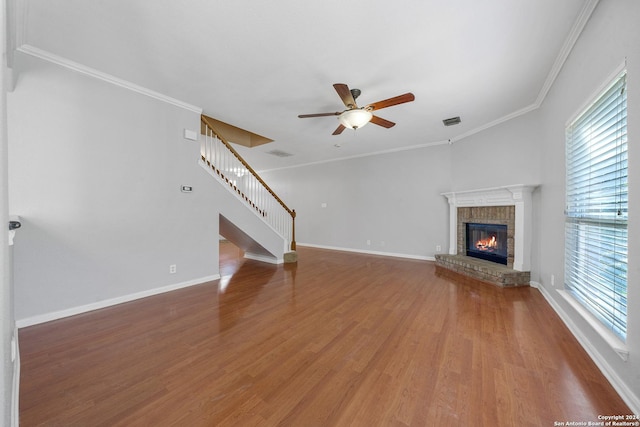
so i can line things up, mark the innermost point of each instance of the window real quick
(596, 215)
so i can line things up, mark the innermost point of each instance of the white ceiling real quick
(257, 65)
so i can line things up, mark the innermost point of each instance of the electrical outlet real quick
(368, 242)
(438, 248)
(553, 280)
(172, 269)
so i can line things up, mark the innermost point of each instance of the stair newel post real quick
(293, 230)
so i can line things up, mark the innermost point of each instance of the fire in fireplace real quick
(487, 241)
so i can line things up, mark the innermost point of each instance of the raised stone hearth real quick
(485, 271)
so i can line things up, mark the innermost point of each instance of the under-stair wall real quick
(244, 227)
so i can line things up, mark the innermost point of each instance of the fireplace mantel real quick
(510, 195)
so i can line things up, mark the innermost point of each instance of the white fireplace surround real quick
(509, 195)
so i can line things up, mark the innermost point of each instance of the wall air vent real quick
(279, 153)
(452, 121)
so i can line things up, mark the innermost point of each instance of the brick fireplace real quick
(508, 205)
(499, 215)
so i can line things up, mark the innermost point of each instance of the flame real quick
(487, 244)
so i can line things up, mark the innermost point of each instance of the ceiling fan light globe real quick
(355, 119)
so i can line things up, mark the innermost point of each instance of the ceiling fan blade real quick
(400, 99)
(382, 122)
(338, 130)
(345, 94)
(304, 116)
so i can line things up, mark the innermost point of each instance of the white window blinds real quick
(596, 215)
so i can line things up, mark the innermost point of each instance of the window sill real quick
(610, 338)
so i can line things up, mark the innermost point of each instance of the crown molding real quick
(15, 20)
(496, 122)
(357, 156)
(83, 69)
(567, 47)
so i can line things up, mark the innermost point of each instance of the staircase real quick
(252, 217)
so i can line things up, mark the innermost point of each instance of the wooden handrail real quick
(205, 120)
(246, 165)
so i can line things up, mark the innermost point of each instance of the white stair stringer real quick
(244, 227)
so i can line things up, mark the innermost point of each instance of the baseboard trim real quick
(368, 252)
(263, 258)
(618, 384)
(48, 317)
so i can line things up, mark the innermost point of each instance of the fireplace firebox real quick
(487, 241)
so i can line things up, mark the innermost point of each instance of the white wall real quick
(489, 159)
(610, 36)
(393, 200)
(95, 173)
(7, 321)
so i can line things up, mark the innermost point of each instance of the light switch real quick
(190, 134)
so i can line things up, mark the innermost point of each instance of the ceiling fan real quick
(355, 117)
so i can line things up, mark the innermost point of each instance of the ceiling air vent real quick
(452, 121)
(279, 153)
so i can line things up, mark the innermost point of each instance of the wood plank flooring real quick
(340, 339)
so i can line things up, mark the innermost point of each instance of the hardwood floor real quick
(340, 339)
